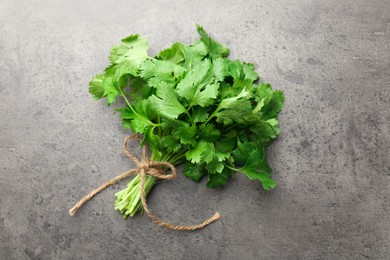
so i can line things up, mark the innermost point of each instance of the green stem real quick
(213, 114)
(128, 200)
(229, 128)
(176, 158)
(159, 123)
(132, 109)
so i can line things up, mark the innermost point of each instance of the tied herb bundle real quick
(193, 106)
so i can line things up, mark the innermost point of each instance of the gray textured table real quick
(332, 162)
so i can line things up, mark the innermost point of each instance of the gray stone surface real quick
(332, 161)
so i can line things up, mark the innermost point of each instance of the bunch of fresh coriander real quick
(193, 106)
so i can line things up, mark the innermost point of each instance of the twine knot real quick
(145, 167)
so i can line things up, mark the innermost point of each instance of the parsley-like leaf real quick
(166, 103)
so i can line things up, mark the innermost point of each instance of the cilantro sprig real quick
(193, 106)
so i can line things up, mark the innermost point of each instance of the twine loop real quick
(145, 167)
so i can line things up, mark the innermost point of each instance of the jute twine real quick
(145, 167)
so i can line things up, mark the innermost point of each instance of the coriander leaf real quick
(263, 91)
(209, 133)
(117, 52)
(199, 114)
(170, 124)
(131, 39)
(227, 142)
(140, 89)
(195, 154)
(162, 71)
(258, 106)
(218, 66)
(124, 69)
(110, 91)
(193, 53)
(255, 163)
(195, 87)
(188, 55)
(136, 117)
(239, 85)
(249, 71)
(96, 87)
(208, 153)
(216, 180)
(236, 112)
(263, 177)
(228, 103)
(265, 130)
(171, 144)
(133, 50)
(202, 152)
(165, 102)
(233, 109)
(274, 106)
(186, 134)
(215, 166)
(174, 53)
(214, 48)
(193, 171)
(234, 69)
(205, 95)
(127, 57)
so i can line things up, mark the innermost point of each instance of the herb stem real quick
(132, 109)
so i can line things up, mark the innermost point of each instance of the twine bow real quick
(144, 167)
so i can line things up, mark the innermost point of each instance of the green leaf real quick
(234, 69)
(171, 144)
(202, 152)
(255, 163)
(227, 142)
(216, 180)
(249, 71)
(96, 87)
(229, 102)
(194, 53)
(274, 106)
(174, 53)
(234, 109)
(186, 134)
(205, 95)
(239, 85)
(209, 133)
(196, 86)
(124, 69)
(188, 55)
(133, 50)
(136, 118)
(214, 48)
(193, 171)
(127, 57)
(263, 91)
(110, 91)
(215, 166)
(162, 71)
(236, 112)
(165, 102)
(199, 114)
(219, 69)
(265, 130)
(140, 89)
(188, 86)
